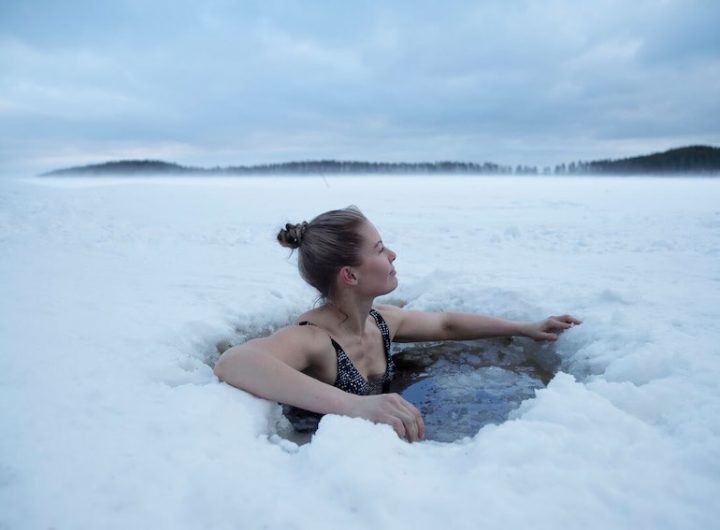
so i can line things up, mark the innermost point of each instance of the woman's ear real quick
(348, 276)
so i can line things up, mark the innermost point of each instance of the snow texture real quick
(115, 294)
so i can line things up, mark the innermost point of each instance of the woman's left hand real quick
(550, 328)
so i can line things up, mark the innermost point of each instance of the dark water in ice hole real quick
(460, 386)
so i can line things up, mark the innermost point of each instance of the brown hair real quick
(326, 244)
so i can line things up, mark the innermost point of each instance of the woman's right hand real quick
(393, 410)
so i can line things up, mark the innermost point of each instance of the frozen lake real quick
(116, 292)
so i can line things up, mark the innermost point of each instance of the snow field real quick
(115, 293)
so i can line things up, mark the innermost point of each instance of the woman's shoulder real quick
(304, 333)
(312, 317)
(302, 329)
(298, 346)
(392, 315)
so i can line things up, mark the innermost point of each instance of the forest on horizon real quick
(691, 159)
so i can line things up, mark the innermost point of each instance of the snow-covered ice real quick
(115, 292)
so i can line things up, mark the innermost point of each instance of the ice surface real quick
(115, 294)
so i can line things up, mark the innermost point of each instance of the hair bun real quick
(292, 235)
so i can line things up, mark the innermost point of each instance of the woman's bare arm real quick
(412, 326)
(271, 368)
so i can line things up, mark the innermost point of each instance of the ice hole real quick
(459, 386)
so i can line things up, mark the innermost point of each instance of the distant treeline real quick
(693, 159)
(337, 166)
(126, 167)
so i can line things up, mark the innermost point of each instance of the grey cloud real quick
(505, 81)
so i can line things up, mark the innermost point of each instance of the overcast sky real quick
(227, 83)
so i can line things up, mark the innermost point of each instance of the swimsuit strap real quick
(379, 320)
(337, 347)
(384, 329)
(348, 377)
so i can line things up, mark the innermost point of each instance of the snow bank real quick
(116, 292)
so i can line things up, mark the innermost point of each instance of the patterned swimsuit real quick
(348, 379)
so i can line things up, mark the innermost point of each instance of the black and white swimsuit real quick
(348, 379)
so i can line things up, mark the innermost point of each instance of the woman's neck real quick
(356, 310)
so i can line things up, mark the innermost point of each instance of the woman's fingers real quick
(552, 326)
(411, 428)
(393, 410)
(403, 412)
(399, 427)
(569, 319)
(546, 336)
(419, 420)
(563, 322)
(411, 418)
(404, 426)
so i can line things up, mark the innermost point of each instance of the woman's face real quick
(376, 273)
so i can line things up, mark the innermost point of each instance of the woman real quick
(304, 366)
